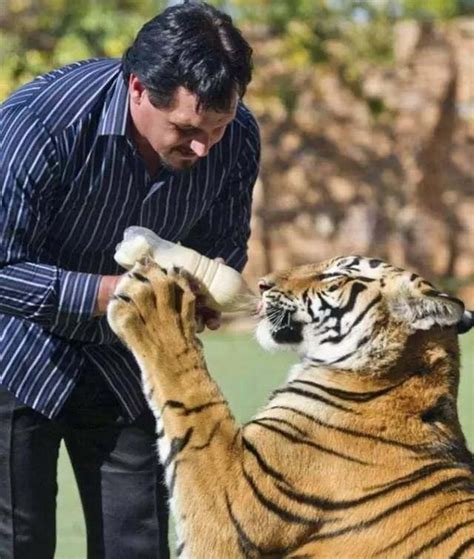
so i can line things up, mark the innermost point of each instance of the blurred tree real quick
(432, 9)
(346, 35)
(38, 35)
(466, 7)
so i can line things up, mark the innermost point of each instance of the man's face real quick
(179, 134)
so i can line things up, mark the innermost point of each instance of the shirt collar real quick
(114, 116)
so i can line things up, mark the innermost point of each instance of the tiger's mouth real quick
(283, 328)
(288, 334)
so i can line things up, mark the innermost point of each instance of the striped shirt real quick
(71, 181)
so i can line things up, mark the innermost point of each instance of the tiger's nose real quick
(264, 285)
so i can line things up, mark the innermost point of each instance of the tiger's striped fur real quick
(359, 455)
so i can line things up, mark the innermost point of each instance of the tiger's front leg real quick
(199, 441)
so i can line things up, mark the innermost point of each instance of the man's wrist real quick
(106, 290)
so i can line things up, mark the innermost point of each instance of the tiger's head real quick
(352, 313)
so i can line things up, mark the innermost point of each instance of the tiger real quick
(360, 454)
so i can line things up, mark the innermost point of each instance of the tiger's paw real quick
(153, 312)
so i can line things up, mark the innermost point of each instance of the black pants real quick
(116, 467)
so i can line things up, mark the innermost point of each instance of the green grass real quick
(246, 375)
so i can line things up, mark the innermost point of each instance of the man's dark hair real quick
(195, 46)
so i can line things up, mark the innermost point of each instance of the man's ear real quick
(423, 306)
(135, 88)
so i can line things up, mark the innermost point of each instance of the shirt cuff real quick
(77, 295)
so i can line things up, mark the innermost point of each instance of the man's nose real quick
(201, 145)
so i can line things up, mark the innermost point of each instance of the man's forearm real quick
(70, 305)
(46, 294)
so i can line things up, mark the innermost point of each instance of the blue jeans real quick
(116, 467)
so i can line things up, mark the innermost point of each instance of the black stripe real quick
(360, 343)
(457, 503)
(175, 404)
(462, 548)
(311, 395)
(308, 303)
(374, 301)
(328, 275)
(363, 278)
(347, 431)
(425, 494)
(353, 263)
(417, 475)
(213, 433)
(202, 407)
(324, 304)
(392, 546)
(282, 422)
(325, 504)
(356, 290)
(434, 542)
(180, 549)
(247, 546)
(174, 476)
(420, 526)
(262, 463)
(461, 502)
(345, 394)
(177, 445)
(276, 509)
(338, 339)
(297, 440)
(139, 277)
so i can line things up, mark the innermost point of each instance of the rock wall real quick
(336, 179)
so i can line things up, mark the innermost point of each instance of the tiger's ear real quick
(423, 307)
(466, 322)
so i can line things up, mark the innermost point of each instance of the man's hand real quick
(206, 317)
(106, 290)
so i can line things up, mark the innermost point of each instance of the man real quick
(160, 140)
